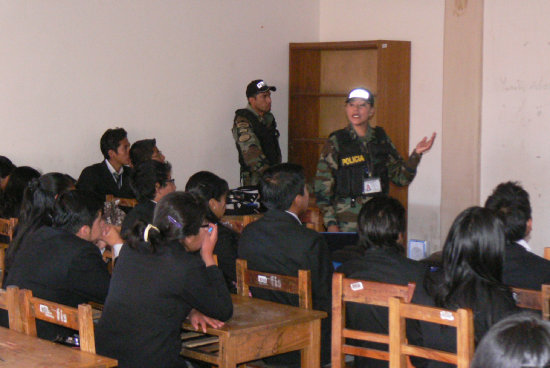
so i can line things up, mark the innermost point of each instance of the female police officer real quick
(358, 162)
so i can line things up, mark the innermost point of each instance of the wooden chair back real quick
(534, 299)
(80, 319)
(238, 223)
(3, 250)
(9, 300)
(547, 253)
(462, 320)
(7, 227)
(124, 202)
(313, 219)
(300, 285)
(364, 292)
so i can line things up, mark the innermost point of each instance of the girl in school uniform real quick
(159, 281)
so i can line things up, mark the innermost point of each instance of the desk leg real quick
(228, 354)
(311, 354)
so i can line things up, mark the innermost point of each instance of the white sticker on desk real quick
(446, 315)
(61, 316)
(356, 286)
(262, 279)
(45, 310)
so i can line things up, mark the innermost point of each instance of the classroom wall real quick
(516, 104)
(420, 22)
(174, 70)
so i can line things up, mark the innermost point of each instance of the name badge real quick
(372, 185)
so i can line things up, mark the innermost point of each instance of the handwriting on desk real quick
(272, 281)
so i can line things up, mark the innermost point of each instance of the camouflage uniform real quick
(339, 211)
(257, 142)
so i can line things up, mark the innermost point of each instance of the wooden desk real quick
(22, 351)
(260, 329)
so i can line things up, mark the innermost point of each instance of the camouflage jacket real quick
(257, 143)
(339, 211)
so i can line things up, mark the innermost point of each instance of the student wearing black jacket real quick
(280, 243)
(158, 282)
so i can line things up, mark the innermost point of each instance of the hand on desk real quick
(198, 319)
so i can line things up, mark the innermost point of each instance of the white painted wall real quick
(174, 70)
(516, 105)
(420, 22)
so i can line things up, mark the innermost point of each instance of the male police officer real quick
(358, 162)
(255, 133)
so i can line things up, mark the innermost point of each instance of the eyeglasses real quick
(205, 225)
(171, 181)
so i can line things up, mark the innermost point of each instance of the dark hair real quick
(473, 256)
(6, 167)
(37, 207)
(177, 216)
(146, 175)
(13, 194)
(380, 222)
(75, 209)
(110, 140)
(521, 340)
(142, 151)
(511, 203)
(208, 186)
(280, 184)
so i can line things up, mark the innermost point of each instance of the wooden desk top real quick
(22, 351)
(251, 314)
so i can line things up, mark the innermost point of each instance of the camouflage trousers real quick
(346, 214)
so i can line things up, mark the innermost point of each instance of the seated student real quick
(13, 194)
(471, 277)
(522, 268)
(111, 176)
(521, 340)
(6, 167)
(61, 263)
(145, 150)
(279, 243)
(37, 207)
(157, 283)
(214, 189)
(151, 181)
(381, 225)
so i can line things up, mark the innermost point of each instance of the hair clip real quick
(146, 232)
(174, 222)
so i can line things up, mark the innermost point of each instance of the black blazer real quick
(226, 251)
(151, 294)
(524, 269)
(97, 178)
(277, 243)
(382, 265)
(59, 266)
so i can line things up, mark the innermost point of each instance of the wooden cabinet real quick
(322, 74)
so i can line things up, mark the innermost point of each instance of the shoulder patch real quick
(243, 124)
(244, 138)
(242, 130)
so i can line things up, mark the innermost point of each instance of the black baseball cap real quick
(257, 86)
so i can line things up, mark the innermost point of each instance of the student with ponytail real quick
(159, 282)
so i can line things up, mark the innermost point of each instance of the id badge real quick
(372, 185)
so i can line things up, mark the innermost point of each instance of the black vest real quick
(355, 163)
(268, 137)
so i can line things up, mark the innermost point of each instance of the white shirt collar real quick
(112, 169)
(295, 216)
(524, 244)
